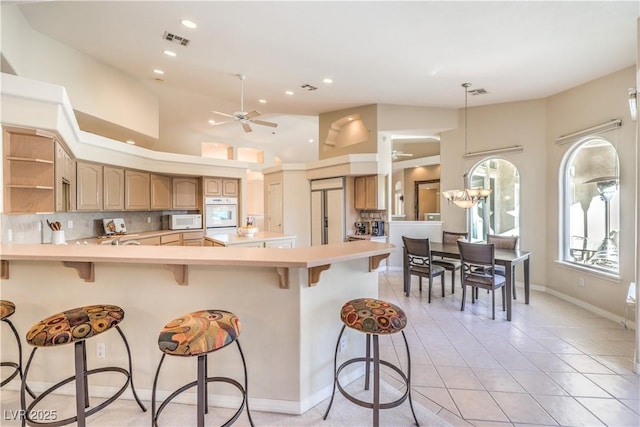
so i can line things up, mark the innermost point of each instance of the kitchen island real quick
(261, 239)
(288, 300)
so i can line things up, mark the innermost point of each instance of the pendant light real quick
(467, 197)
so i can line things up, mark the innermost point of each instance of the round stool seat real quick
(7, 308)
(373, 316)
(74, 325)
(199, 332)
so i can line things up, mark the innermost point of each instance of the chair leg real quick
(376, 382)
(420, 282)
(453, 281)
(202, 381)
(493, 304)
(513, 279)
(81, 381)
(464, 296)
(335, 372)
(504, 300)
(406, 344)
(154, 420)
(367, 365)
(246, 382)
(430, 283)
(442, 283)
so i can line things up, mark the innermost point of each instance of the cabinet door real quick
(136, 190)
(160, 192)
(360, 201)
(63, 179)
(89, 187)
(213, 186)
(278, 244)
(371, 192)
(185, 193)
(230, 187)
(113, 188)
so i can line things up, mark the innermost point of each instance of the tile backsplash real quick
(34, 228)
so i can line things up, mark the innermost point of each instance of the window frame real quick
(564, 209)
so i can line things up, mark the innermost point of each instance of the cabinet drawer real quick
(279, 244)
(170, 238)
(193, 235)
(150, 241)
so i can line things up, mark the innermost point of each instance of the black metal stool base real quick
(201, 384)
(82, 389)
(17, 366)
(376, 405)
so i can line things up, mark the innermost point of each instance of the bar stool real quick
(373, 317)
(198, 334)
(7, 308)
(76, 326)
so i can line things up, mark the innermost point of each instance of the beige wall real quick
(369, 116)
(578, 108)
(94, 88)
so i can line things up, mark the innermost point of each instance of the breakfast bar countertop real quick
(264, 236)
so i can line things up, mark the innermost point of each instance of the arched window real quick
(500, 213)
(590, 205)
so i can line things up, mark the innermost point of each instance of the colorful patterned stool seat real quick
(373, 316)
(73, 325)
(76, 326)
(199, 332)
(7, 308)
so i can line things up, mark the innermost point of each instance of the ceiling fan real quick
(241, 116)
(396, 154)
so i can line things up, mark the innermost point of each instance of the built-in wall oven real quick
(221, 215)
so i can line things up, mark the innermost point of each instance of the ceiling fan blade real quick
(221, 123)
(246, 127)
(222, 114)
(263, 123)
(253, 114)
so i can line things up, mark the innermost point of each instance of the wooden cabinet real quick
(89, 186)
(137, 195)
(193, 238)
(113, 188)
(185, 193)
(29, 175)
(160, 192)
(369, 192)
(226, 187)
(170, 239)
(65, 180)
(152, 241)
(279, 243)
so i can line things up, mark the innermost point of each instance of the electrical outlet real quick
(581, 282)
(343, 344)
(148, 220)
(69, 224)
(101, 350)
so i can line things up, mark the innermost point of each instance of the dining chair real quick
(418, 262)
(505, 242)
(478, 271)
(451, 264)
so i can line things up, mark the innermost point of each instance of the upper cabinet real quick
(65, 180)
(89, 186)
(29, 175)
(160, 192)
(185, 193)
(137, 195)
(226, 187)
(113, 180)
(369, 192)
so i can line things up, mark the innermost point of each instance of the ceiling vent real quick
(308, 87)
(478, 92)
(173, 38)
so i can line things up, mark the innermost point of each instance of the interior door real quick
(317, 218)
(335, 216)
(274, 208)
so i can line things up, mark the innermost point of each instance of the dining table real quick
(505, 257)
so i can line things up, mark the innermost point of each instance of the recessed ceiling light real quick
(311, 141)
(212, 122)
(158, 72)
(327, 80)
(188, 24)
(130, 142)
(262, 101)
(288, 92)
(169, 53)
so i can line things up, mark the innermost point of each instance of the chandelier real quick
(467, 197)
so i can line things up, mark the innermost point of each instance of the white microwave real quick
(185, 221)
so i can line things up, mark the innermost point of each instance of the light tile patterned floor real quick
(555, 364)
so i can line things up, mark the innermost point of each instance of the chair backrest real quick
(478, 254)
(504, 242)
(417, 247)
(451, 237)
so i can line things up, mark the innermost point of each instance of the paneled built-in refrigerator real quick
(327, 211)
